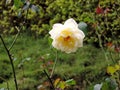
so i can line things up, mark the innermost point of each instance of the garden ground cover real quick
(33, 55)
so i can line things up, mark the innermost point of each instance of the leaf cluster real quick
(37, 17)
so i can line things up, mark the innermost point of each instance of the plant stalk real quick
(53, 69)
(11, 61)
(14, 38)
(49, 80)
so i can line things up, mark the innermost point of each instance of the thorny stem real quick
(11, 61)
(49, 80)
(53, 69)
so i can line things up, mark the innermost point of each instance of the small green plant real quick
(112, 82)
(61, 85)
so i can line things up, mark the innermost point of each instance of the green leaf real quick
(88, 19)
(62, 85)
(111, 70)
(17, 3)
(91, 88)
(57, 81)
(83, 26)
(23, 1)
(70, 82)
(112, 83)
(105, 86)
(50, 40)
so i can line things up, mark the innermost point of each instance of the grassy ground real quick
(31, 56)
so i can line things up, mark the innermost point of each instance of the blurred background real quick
(32, 51)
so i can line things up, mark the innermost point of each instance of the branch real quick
(11, 61)
(49, 80)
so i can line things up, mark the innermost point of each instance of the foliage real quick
(60, 84)
(41, 15)
(112, 82)
(113, 69)
(30, 59)
(5, 71)
(98, 19)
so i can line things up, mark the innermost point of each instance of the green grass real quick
(30, 55)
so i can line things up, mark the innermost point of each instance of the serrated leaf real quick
(83, 26)
(70, 82)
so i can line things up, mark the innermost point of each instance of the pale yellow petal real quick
(71, 23)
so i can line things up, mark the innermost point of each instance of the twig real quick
(6, 82)
(11, 61)
(15, 38)
(49, 80)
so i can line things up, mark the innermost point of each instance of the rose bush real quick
(67, 37)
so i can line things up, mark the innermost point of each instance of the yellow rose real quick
(67, 37)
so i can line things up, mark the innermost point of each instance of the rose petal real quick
(56, 29)
(71, 23)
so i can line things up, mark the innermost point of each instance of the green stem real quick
(14, 39)
(53, 69)
(11, 61)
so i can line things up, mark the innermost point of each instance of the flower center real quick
(68, 41)
(67, 38)
(66, 32)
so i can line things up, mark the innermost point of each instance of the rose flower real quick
(67, 37)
